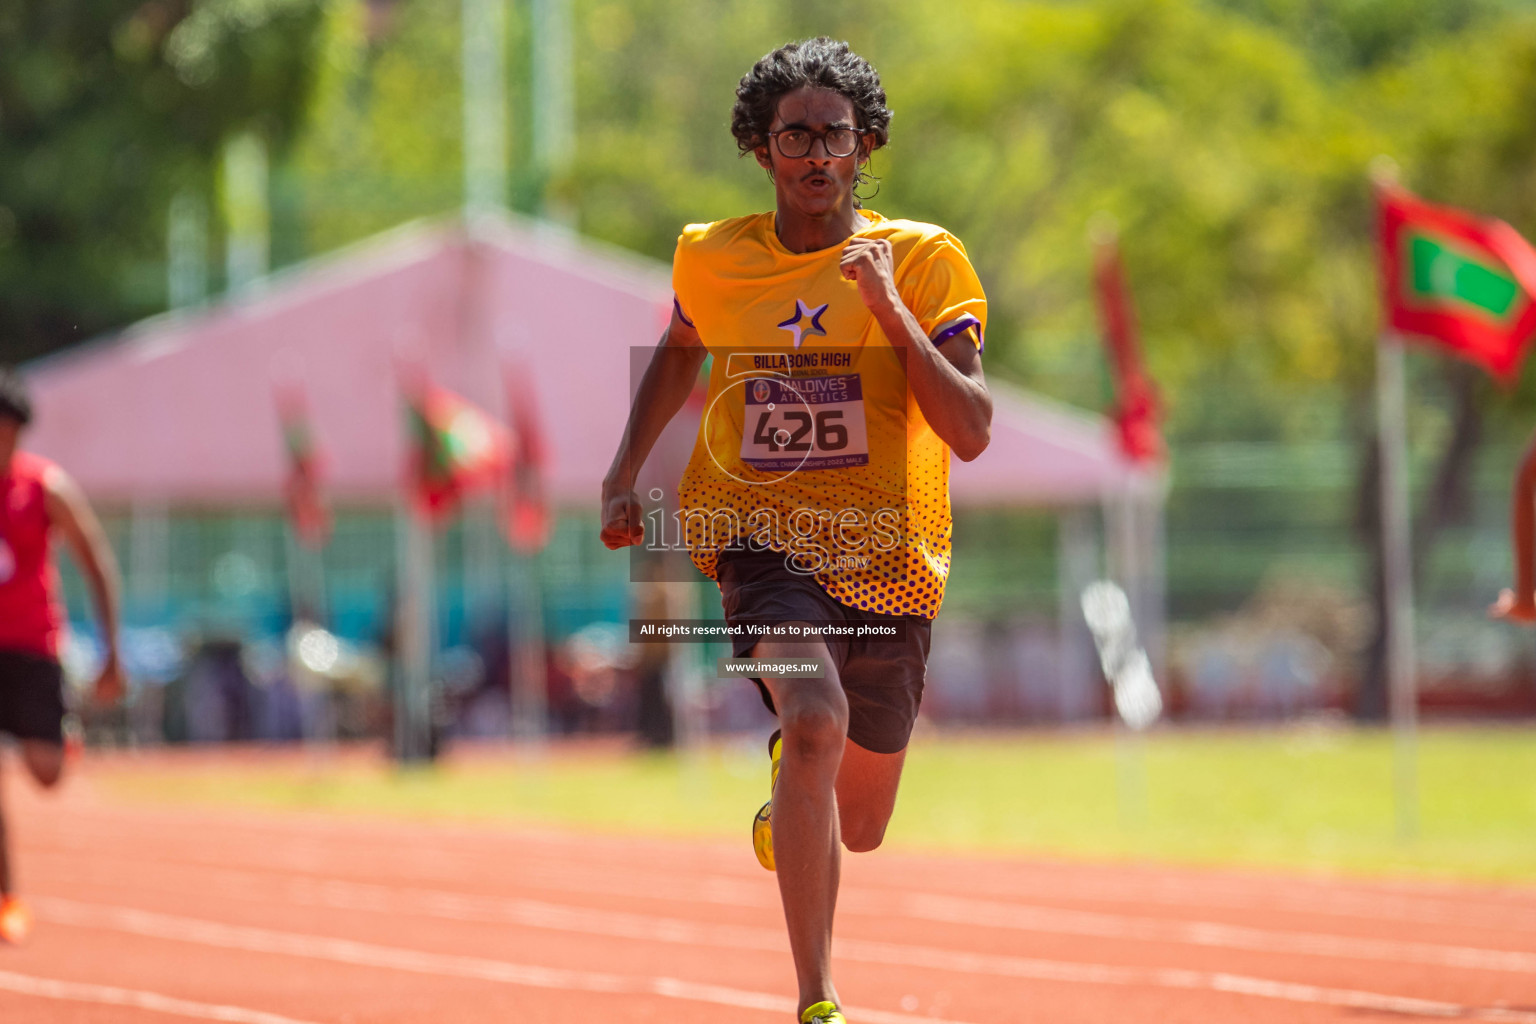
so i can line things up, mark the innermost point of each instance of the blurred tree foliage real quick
(382, 140)
(1229, 139)
(1343, 36)
(107, 108)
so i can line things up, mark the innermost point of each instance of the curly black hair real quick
(819, 62)
(14, 403)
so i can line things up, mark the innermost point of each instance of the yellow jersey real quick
(811, 442)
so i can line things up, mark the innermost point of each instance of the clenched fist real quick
(868, 263)
(623, 524)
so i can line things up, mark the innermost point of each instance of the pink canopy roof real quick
(1042, 453)
(180, 408)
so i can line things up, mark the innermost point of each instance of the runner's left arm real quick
(947, 381)
(71, 515)
(668, 380)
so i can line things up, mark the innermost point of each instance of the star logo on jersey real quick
(806, 323)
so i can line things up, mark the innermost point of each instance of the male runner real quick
(36, 497)
(845, 369)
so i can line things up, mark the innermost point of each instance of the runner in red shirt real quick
(36, 499)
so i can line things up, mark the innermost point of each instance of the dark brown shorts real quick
(883, 679)
(31, 697)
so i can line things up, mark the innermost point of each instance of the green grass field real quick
(1306, 798)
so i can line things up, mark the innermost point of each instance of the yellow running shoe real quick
(762, 824)
(15, 921)
(822, 1013)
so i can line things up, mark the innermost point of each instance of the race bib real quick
(804, 423)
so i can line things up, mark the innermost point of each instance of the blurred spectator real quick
(39, 501)
(598, 662)
(218, 699)
(654, 727)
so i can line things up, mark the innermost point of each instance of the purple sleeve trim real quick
(680, 314)
(965, 323)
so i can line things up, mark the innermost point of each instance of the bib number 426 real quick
(805, 424)
(831, 434)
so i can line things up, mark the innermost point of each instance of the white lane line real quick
(343, 895)
(1022, 917)
(213, 933)
(110, 995)
(1056, 921)
(1424, 905)
(367, 954)
(1427, 906)
(531, 913)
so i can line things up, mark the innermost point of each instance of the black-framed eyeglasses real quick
(794, 143)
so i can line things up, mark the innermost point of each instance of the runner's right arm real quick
(668, 381)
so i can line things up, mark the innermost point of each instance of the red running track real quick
(153, 915)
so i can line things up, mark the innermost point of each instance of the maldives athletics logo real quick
(1461, 280)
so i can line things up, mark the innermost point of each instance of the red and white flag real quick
(455, 447)
(525, 505)
(307, 511)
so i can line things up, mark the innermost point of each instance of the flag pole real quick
(1397, 580)
(483, 59)
(413, 698)
(1131, 759)
(530, 703)
(306, 580)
